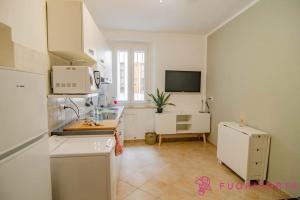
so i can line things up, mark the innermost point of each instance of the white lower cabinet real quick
(201, 122)
(172, 123)
(245, 150)
(83, 167)
(165, 123)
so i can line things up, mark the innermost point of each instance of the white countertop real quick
(61, 146)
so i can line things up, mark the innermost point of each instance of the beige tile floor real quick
(169, 172)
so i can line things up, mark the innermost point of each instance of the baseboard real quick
(172, 138)
(278, 190)
(134, 140)
(211, 142)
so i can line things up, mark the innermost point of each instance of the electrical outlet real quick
(210, 98)
(61, 107)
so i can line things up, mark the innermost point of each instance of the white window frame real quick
(131, 48)
(118, 75)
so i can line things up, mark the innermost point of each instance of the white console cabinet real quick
(182, 123)
(245, 150)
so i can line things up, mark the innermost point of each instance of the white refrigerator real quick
(24, 157)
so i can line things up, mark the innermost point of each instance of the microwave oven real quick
(75, 80)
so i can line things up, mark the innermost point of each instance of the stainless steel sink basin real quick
(111, 108)
(105, 115)
(108, 115)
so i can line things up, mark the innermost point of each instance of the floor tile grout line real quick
(129, 194)
(210, 154)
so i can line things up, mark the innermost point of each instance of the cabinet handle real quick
(20, 86)
(101, 60)
(257, 149)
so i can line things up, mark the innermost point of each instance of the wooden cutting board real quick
(79, 125)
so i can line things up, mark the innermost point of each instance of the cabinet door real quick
(64, 26)
(165, 123)
(91, 34)
(233, 147)
(101, 68)
(201, 123)
(108, 65)
(84, 174)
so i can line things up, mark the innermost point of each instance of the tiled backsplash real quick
(58, 117)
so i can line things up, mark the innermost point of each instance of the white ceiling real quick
(189, 16)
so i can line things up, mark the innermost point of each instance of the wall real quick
(253, 71)
(167, 51)
(170, 51)
(27, 20)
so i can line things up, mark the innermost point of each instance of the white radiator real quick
(245, 150)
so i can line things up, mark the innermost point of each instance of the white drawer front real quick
(256, 169)
(259, 141)
(258, 155)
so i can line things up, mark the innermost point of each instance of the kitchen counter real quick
(79, 127)
(110, 124)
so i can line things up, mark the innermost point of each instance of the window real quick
(139, 76)
(122, 73)
(131, 73)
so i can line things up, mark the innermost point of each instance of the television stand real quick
(182, 124)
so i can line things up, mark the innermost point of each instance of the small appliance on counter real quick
(75, 80)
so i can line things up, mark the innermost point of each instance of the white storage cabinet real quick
(245, 150)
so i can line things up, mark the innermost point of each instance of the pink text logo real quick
(204, 185)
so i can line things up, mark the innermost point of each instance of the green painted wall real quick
(254, 71)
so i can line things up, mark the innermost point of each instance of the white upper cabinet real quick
(72, 32)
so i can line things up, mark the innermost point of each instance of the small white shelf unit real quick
(183, 123)
(173, 123)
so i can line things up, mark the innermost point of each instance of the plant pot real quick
(160, 110)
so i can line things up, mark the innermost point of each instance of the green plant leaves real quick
(161, 99)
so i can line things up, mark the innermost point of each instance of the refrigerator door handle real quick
(21, 146)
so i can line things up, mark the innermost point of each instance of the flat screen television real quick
(182, 81)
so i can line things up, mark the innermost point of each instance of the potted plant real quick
(161, 100)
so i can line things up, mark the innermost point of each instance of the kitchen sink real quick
(108, 115)
(111, 108)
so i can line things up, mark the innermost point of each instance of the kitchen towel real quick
(118, 147)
